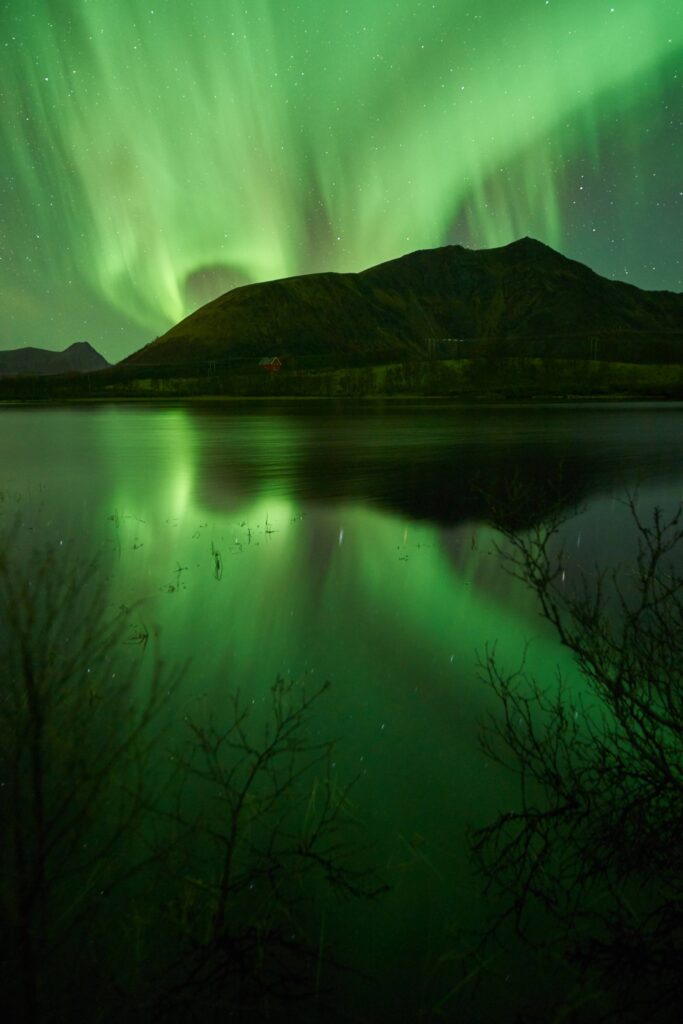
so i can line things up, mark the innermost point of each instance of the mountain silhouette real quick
(520, 299)
(80, 357)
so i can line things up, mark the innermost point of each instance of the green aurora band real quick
(159, 153)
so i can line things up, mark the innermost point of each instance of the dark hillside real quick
(523, 299)
(77, 358)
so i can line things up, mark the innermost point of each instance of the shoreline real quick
(451, 400)
(491, 381)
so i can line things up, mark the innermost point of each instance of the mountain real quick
(80, 357)
(521, 299)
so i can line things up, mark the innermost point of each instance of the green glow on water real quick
(166, 152)
(350, 593)
(392, 610)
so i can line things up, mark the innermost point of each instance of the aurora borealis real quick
(155, 154)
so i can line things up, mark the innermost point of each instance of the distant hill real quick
(80, 357)
(520, 299)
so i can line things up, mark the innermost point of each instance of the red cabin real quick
(271, 364)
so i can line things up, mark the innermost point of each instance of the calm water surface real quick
(348, 543)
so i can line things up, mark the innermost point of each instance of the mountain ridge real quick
(79, 357)
(510, 300)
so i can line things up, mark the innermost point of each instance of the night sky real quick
(155, 153)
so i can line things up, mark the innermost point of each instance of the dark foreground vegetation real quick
(156, 869)
(485, 378)
(588, 869)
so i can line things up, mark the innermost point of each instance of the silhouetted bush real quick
(589, 865)
(146, 881)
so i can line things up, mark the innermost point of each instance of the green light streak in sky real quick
(163, 152)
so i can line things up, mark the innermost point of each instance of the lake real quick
(348, 542)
